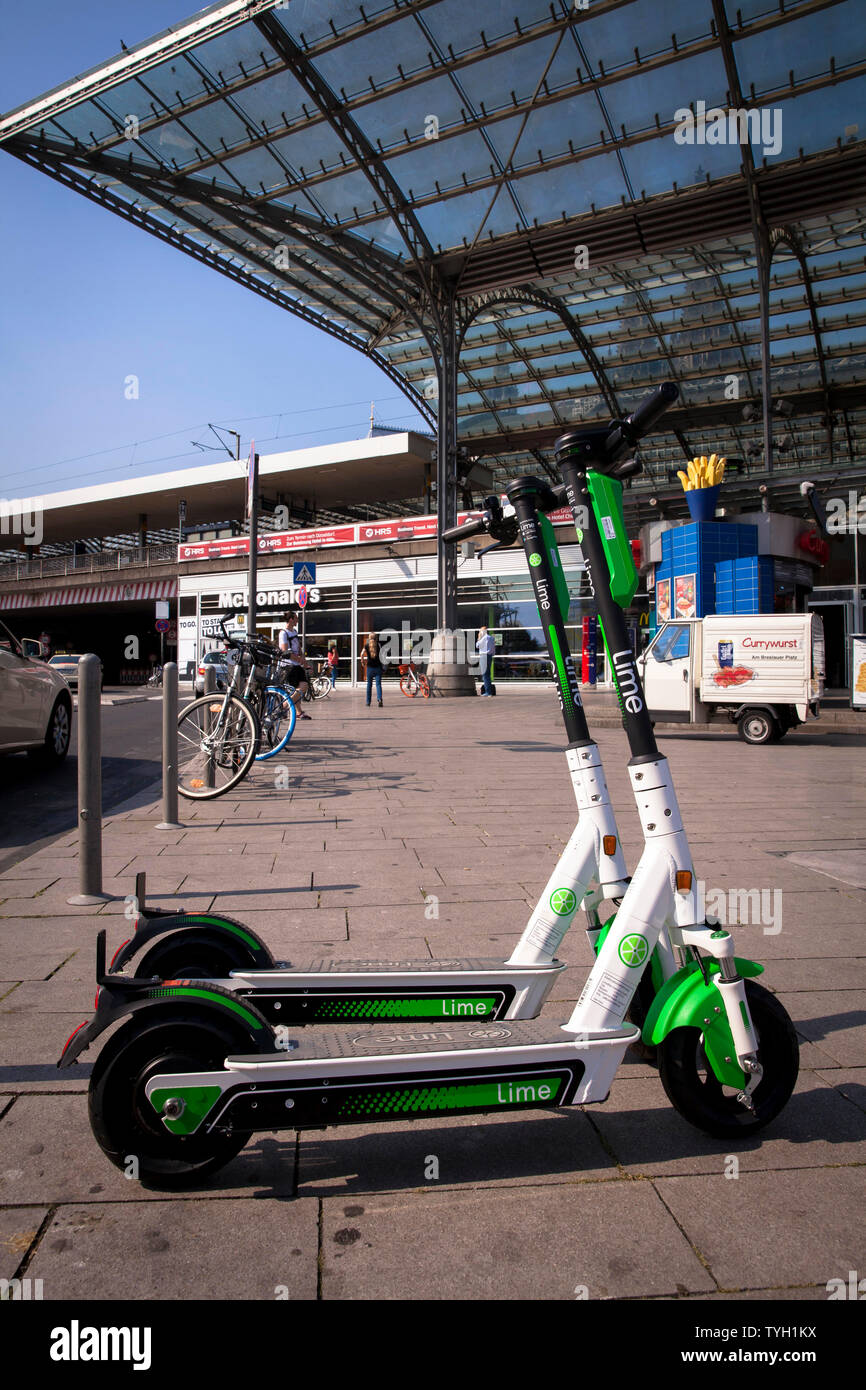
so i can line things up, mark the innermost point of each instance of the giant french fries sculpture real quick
(702, 472)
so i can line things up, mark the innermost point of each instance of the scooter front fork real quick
(732, 988)
(591, 867)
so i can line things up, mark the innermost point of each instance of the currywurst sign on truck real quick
(763, 672)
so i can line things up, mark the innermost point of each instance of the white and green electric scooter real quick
(590, 870)
(195, 1070)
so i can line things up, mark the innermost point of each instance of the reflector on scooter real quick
(684, 880)
(609, 844)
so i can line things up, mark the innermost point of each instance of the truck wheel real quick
(757, 726)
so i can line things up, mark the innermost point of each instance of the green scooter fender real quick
(686, 1001)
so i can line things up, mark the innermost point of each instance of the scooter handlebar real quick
(624, 436)
(652, 408)
(462, 533)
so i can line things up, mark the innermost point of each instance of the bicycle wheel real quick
(321, 687)
(425, 686)
(217, 742)
(278, 720)
(409, 685)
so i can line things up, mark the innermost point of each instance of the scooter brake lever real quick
(497, 545)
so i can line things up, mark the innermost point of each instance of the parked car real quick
(35, 702)
(67, 664)
(217, 660)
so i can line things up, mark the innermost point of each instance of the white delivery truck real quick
(764, 672)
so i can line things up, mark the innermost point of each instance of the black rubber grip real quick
(462, 533)
(651, 409)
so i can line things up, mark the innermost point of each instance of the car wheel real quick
(56, 744)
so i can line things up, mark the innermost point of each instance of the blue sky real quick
(86, 299)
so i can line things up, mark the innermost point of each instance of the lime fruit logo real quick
(633, 949)
(563, 901)
(535, 558)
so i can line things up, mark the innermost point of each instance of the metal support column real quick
(89, 784)
(169, 748)
(446, 467)
(764, 256)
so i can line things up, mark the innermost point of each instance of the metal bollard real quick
(210, 685)
(169, 748)
(89, 784)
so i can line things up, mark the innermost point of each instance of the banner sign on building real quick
(410, 528)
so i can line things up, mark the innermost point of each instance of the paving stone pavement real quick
(428, 829)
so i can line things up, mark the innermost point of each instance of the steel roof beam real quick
(235, 208)
(446, 67)
(435, 69)
(620, 314)
(393, 199)
(664, 223)
(153, 195)
(787, 236)
(530, 294)
(758, 219)
(91, 189)
(171, 43)
(703, 415)
(352, 249)
(573, 157)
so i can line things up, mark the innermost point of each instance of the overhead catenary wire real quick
(192, 453)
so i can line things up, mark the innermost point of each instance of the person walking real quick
(293, 656)
(333, 664)
(485, 646)
(371, 657)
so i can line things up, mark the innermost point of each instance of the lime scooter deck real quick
(336, 1076)
(330, 991)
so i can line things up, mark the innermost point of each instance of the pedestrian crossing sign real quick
(304, 572)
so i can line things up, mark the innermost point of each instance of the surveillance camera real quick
(806, 488)
(763, 488)
(654, 501)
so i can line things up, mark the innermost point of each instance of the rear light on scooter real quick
(684, 880)
(72, 1035)
(609, 844)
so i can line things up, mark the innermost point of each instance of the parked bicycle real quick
(155, 677)
(319, 685)
(413, 682)
(220, 737)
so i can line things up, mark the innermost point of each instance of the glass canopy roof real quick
(591, 181)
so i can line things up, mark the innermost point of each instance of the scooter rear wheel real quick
(125, 1124)
(694, 1090)
(193, 955)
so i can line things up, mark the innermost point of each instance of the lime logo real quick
(535, 558)
(563, 901)
(633, 949)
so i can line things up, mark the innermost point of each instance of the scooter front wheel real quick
(695, 1091)
(125, 1125)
